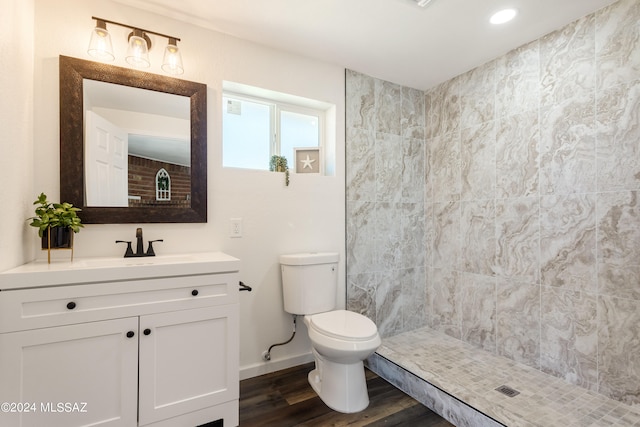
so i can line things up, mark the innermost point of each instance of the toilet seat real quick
(344, 325)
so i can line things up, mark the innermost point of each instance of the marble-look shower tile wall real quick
(501, 207)
(385, 203)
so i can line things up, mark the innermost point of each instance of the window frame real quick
(275, 109)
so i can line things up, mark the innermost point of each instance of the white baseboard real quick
(262, 368)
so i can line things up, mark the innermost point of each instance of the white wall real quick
(308, 215)
(16, 137)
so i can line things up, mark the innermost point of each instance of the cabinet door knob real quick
(194, 292)
(130, 334)
(147, 331)
(71, 305)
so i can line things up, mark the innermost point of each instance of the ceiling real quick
(394, 40)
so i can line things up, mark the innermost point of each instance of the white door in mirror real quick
(106, 163)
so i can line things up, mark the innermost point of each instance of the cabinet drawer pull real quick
(130, 334)
(147, 331)
(194, 292)
(71, 305)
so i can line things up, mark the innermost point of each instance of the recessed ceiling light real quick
(503, 16)
(423, 3)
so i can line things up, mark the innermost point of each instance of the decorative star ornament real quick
(306, 163)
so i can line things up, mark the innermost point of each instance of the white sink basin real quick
(119, 262)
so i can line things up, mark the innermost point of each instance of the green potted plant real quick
(279, 164)
(55, 222)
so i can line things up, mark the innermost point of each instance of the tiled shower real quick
(501, 207)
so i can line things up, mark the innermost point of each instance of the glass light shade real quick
(100, 44)
(138, 51)
(172, 60)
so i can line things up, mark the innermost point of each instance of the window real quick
(298, 129)
(163, 185)
(254, 128)
(246, 133)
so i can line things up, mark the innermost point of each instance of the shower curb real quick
(442, 403)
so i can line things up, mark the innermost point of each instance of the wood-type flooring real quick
(285, 398)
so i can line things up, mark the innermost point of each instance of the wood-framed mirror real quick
(188, 205)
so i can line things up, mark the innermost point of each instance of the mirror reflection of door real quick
(106, 151)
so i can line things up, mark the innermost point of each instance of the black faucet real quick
(139, 246)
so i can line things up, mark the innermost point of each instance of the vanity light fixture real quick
(139, 45)
(100, 44)
(138, 51)
(172, 60)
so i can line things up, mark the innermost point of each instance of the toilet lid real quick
(344, 324)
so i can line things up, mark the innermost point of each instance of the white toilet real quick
(341, 339)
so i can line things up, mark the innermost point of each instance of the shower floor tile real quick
(471, 376)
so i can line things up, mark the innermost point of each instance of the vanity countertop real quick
(93, 270)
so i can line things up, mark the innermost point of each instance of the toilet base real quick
(342, 387)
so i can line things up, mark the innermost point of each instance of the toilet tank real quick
(309, 282)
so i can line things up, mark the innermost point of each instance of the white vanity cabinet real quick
(126, 342)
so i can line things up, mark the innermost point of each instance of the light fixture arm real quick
(100, 23)
(106, 21)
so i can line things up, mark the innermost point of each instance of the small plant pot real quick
(61, 238)
(279, 164)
